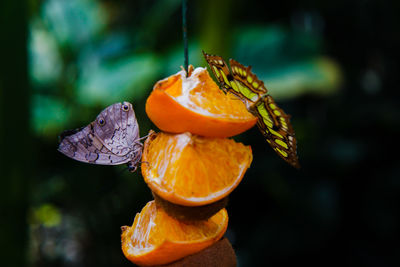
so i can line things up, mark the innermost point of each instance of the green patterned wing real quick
(220, 70)
(275, 125)
(247, 78)
(229, 81)
(273, 122)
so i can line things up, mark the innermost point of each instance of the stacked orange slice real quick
(195, 104)
(156, 238)
(191, 164)
(191, 170)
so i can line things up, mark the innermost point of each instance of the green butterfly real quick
(273, 122)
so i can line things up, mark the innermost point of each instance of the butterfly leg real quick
(131, 167)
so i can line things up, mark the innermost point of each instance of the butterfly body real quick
(273, 122)
(112, 139)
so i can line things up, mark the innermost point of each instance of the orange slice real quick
(195, 104)
(191, 170)
(155, 238)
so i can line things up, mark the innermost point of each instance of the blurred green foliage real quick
(330, 64)
(97, 65)
(290, 62)
(47, 215)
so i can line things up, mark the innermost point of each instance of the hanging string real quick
(185, 38)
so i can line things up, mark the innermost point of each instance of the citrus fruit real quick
(195, 104)
(156, 238)
(185, 213)
(192, 170)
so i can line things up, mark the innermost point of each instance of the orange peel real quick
(156, 238)
(195, 104)
(192, 170)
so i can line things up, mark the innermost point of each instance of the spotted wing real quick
(220, 70)
(247, 78)
(272, 120)
(82, 145)
(275, 125)
(241, 81)
(116, 127)
(112, 139)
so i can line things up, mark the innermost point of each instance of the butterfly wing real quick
(239, 82)
(112, 139)
(272, 121)
(116, 127)
(220, 70)
(82, 145)
(247, 78)
(275, 125)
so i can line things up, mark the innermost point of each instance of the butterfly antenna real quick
(185, 38)
(144, 137)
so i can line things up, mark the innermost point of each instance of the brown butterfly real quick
(273, 122)
(112, 139)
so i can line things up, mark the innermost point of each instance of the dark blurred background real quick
(332, 65)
